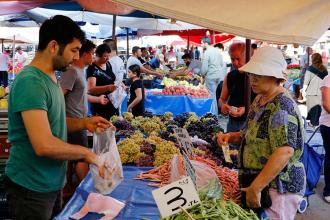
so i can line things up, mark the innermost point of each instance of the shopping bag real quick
(118, 96)
(206, 178)
(104, 145)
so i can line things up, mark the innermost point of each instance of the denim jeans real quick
(325, 132)
(211, 85)
(234, 125)
(25, 204)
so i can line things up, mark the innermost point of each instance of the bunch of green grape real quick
(114, 118)
(192, 119)
(197, 151)
(129, 150)
(137, 122)
(154, 124)
(165, 150)
(168, 116)
(128, 116)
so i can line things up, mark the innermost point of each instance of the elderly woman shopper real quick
(311, 91)
(271, 175)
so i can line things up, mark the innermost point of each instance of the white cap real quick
(267, 61)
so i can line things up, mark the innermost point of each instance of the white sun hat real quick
(267, 61)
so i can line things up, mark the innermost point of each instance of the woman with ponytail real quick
(311, 90)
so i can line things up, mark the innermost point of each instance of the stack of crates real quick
(3, 200)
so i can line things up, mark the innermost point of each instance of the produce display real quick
(215, 209)
(293, 71)
(191, 88)
(195, 92)
(203, 128)
(150, 141)
(228, 178)
(151, 151)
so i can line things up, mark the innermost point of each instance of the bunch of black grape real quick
(209, 124)
(147, 148)
(182, 118)
(167, 135)
(194, 81)
(122, 125)
(216, 151)
(195, 128)
(170, 124)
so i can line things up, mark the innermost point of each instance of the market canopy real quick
(195, 35)
(281, 21)
(101, 6)
(41, 14)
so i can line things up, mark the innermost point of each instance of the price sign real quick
(226, 153)
(190, 170)
(184, 140)
(171, 198)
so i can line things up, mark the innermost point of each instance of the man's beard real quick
(59, 64)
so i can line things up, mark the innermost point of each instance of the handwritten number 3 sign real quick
(177, 198)
(171, 198)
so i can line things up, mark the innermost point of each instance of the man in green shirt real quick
(38, 125)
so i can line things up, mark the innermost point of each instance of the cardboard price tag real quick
(184, 140)
(171, 198)
(226, 153)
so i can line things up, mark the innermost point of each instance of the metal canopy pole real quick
(127, 44)
(114, 23)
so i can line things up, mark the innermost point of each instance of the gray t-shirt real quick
(76, 99)
(195, 66)
(133, 60)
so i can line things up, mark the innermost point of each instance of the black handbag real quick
(245, 179)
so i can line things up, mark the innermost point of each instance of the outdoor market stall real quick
(159, 104)
(129, 191)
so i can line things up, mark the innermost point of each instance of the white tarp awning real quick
(282, 21)
(23, 35)
(40, 14)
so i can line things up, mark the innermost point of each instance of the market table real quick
(136, 195)
(159, 104)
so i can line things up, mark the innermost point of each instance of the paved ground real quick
(318, 209)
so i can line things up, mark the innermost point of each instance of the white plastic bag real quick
(104, 145)
(118, 96)
(204, 173)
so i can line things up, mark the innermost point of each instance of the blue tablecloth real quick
(159, 104)
(134, 193)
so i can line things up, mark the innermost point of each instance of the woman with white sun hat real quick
(271, 141)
